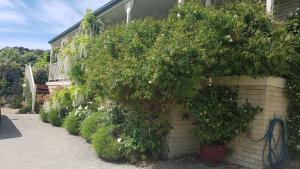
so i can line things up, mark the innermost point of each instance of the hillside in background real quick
(12, 63)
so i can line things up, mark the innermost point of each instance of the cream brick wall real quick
(284, 7)
(181, 139)
(267, 93)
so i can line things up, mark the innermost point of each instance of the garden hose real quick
(275, 152)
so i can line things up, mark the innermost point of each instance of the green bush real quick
(219, 119)
(105, 145)
(89, 126)
(293, 87)
(72, 124)
(16, 102)
(151, 60)
(73, 121)
(63, 99)
(25, 110)
(44, 116)
(56, 117)
(145, 135)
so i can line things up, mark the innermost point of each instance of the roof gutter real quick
(96, 13)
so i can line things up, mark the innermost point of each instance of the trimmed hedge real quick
(55, 118)
(44, 116)
(105, 145)
(89, 126)
(72, 124)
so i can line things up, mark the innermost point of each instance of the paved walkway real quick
(27, 143)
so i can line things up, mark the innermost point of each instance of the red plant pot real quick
(212, 154)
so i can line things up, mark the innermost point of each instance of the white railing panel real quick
(30, 79)
(59, 71)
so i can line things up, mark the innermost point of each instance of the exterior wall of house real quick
(181, 139)
(284, 7)
(267, 93)
(52, 86)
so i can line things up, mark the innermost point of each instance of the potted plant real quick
(219, 119)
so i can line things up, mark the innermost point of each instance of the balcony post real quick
(128, 8)
(207, 3)
(270, 7)
(51, 55)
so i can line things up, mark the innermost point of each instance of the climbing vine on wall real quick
(293, 85)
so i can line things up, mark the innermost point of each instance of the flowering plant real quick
(82, 112)
(219, 119)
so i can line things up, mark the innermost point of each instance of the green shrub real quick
(151, 60)
(219, 119)
(56, 117)
(73, 121)
(105, 145)
(63, 99)
(25, 110)
(16, 102)
(72, 124)
(89, 126)
(145, 135)
(293, 87)
(44, 115)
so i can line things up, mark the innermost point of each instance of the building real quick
(267, 92)
(120, 11)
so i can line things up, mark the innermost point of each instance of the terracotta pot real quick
(214, 155)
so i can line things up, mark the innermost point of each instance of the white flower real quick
(86, 108)
(100, 108)
(119, 140)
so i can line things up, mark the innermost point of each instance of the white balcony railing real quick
(59, 71)
(30, 79)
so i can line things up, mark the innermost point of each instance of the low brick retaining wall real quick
(267, 93)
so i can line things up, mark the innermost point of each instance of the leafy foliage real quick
(219, 119)
(144, 135)
(44, 115)
(150, 60)
(121, 52)
(73, 121)
(12, 63)
(293, 86)
(56, 117)
(25, 110)
(105, 145)
(89, 126)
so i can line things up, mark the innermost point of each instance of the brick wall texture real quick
(245, 151)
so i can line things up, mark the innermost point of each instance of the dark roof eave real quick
(96, 13)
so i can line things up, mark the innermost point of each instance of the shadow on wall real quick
(7, 129)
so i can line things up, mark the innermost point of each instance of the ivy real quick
(159, 60)
(293, 86)
(219, 119)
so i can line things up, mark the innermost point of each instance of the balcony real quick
(59, 71)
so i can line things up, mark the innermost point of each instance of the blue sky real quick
(32, 23)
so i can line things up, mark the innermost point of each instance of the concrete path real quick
(28, 143)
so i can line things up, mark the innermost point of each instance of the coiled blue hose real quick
(275, 153)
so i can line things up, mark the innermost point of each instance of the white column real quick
(270, 7)
(51, 54)
(128, 8)
(207, 2)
